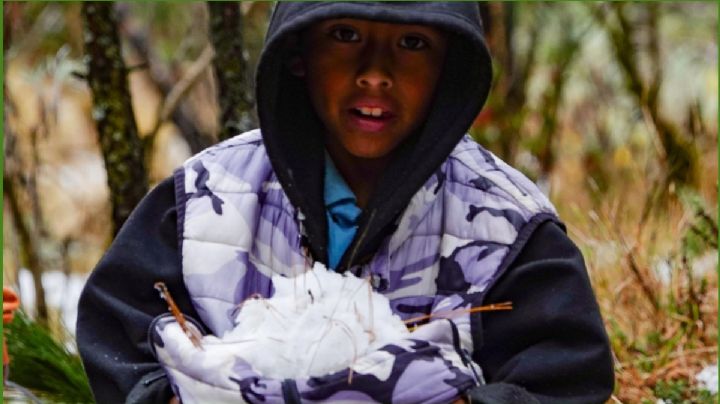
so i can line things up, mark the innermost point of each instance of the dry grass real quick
(655, 275)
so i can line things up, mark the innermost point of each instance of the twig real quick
(139, 66)
(181, 88)
(640, 276)
(179, 317)
(450, 313)
(707, 349)
(27, 239)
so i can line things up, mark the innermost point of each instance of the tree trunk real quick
(567, 49)
(28, 233)
(230, 68)
(680, 153)
(29, 256)
(507, 100)
(107, 76)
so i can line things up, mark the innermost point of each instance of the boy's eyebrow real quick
(358, 23)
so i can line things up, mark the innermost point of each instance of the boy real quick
(362, 164)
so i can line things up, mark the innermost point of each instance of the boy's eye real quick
(345, 34)
(413, 42)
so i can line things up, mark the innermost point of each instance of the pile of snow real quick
(708, 378)
(317, 323)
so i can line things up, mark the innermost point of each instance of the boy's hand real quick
(458, 401)
(174, 400)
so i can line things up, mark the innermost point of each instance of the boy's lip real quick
(370, 124)
(388, 111)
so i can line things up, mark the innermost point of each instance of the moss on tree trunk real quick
(230, 68)
(107, 76)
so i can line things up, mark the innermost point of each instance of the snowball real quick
(315, 324)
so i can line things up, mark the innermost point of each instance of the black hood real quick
(292, 132)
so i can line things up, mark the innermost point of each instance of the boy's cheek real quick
(296, 66)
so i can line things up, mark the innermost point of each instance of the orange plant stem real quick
(452, 313)
(172, 307)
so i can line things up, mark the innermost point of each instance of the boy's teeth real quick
(374, 112)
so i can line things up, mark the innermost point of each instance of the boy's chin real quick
(370, 152)
(369, 147)
(363, 147)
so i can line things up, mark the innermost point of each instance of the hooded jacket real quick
(449, 224)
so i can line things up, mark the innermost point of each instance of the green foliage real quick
(702, 232)
(678, 392)
(40, 363)
(705, 397)
(672, 391)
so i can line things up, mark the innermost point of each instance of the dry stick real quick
(325, 331)
(317, 278)
(640, 276)
(372, 312)
(172, 307)
(370, 305)
(272, 309)
(359, 288)
(182, 87)
(322, 293)
(360, 318)
(352, 297)
(452, 313)
(689, 352)
(346, 329)
(330, 319)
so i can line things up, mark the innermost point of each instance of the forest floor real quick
(653, 265)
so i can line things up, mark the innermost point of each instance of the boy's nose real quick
(374, 73)
(374, 79)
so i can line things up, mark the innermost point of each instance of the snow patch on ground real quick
(708, 378)
(61, 292)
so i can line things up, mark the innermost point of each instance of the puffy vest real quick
(237, 227)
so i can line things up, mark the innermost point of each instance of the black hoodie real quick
(551, 348)
(291, 130)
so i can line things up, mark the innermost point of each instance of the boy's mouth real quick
(370, 119)
(371, 112)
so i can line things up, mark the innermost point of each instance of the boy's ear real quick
(296, 66)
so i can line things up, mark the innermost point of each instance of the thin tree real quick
(162, 76)
(230, 68)
(19, 179)
(121, 147)
(507, 104)
(679, 152)
(28, 248)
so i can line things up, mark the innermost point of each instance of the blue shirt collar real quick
(336, 189)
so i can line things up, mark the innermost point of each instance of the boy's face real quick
(371, 83)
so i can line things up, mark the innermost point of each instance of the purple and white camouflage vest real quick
(237, 227)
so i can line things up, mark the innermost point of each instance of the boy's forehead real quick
(373, 24)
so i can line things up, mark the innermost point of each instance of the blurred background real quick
(612, 108)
